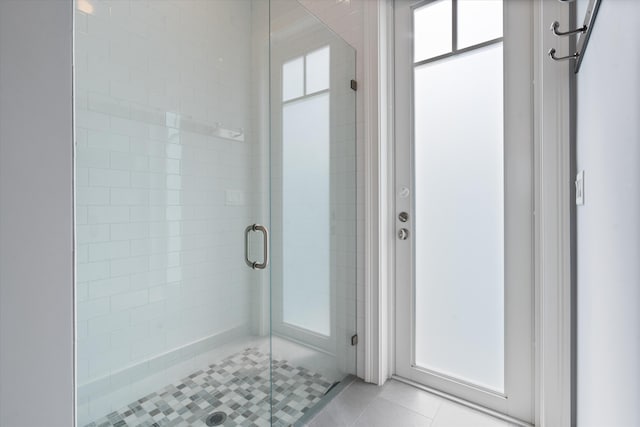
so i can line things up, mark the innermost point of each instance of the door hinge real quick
(354, 339)
(354, 85)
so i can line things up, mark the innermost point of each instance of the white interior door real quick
(464, 200)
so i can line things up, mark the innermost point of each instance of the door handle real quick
(254, 264)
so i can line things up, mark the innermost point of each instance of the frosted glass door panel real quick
(459, 235)
(478, 21)
(305, 200)
(432, 30)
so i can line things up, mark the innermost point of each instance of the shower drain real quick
(216, 419)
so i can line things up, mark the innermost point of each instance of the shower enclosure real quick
(215, 212)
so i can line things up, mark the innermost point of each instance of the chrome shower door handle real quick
(246, 246)
(265, 245)
(254, 264)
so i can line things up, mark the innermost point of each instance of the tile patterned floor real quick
(238, 385)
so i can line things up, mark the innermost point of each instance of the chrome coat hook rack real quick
(556, 24)
(552, 55)
(584, 31)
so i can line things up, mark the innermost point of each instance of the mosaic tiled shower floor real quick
(238, 385)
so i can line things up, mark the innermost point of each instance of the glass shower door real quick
(215, 212)
(313, 209)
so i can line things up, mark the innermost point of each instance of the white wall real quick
(36, 216)
(608, 233)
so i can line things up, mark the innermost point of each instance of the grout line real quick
(365, 407)
(362, 412)
(435, 416)
(409, 409)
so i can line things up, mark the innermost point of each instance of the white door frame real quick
(552, 192)
(553, 228)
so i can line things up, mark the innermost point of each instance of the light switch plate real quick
(580, 188)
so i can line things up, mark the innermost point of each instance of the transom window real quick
(446, 27)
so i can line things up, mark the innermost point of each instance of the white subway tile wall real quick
(160, 256)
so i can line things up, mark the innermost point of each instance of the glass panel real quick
(313, 207)
(318, 70)
(305, 210)
(293, 79)
(432, 30)
(478, 21)
(459, 245)
(170, 166)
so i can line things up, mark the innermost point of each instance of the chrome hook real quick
(552, 55)
(556, 24)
